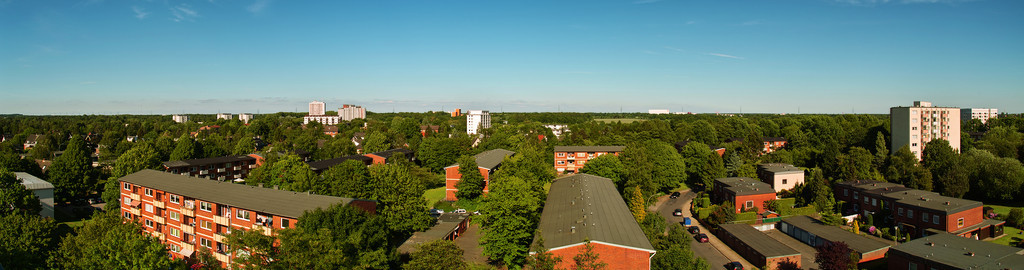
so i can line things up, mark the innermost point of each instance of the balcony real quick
(238, 176)
(134, 211)
(185, 246)
(185, 173)
(222, 220)
(252, 166)
(204, 172)
(134, 196)
(185, 228)
(220, 238)
(222, 257)
(188, 212)
(220, 170)
(158, 204)
(160, 236)
(236, 168)
(263, 229)
(158, 219)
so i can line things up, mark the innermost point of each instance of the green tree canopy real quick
(289, 172)
(437, 254)
(401, 198)
(15, 197)
(27, 240)
(348, 179)
(72, 173)
(107, 242)
(185, 149)
(471, 185)
(140, 157)
(511, 213)
(607, 166)
(903, 168)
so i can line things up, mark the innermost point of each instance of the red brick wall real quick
(873, 255)
(759, 200)
(452, 176)
(376, 159)
(615, 257)
(971, 217)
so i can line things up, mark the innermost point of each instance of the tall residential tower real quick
(917, 125)
(477, 120)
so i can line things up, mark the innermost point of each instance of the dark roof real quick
(35, 137)
(446, 224)
(595, 148)
(490, 159)
(865, 185)
(387, 154)
(744, 185)
(779, 167)
(272, 201)
(773, 139)
(858, 243)
(757, 240)
(913, 197)
(953, 251)
(208, 161)
(331, 129)
(936, 202)
(320, 165)
(583, 206)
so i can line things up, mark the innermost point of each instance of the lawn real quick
(623, 120)
(1012, 236)
(433, 196)
(1001, 209)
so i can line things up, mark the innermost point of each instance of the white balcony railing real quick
(221, 220)
(221, 170)
(204, 172)
(158, 204)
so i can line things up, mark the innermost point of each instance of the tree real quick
(818, 192)
(637, 205)
(350, 179)
(542, 259)
(588, 259)
(15, 198)
(855, 164)
(376, 142)
(1002, 142)
(607, 166)
(111, 194)
(400, 198)
(339, 237)
(437, 254)
(72, 173)
(437, 152)
(510, 214)
(246, 145)
(946, 167)
(204, 260)
(27, 240)
(705, 133)
(903, 169)
(140, 157)
(1015, 218)
(289, 172)
(992, 177)
(185, 149)
(471, 185)
(107, 242)
(787, 265)
(256, 250)
(881, 152)
(835, 256)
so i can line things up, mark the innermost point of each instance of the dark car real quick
(693, 229)
(678, 212)
(674, 195)
(703, 238)
(734, 266)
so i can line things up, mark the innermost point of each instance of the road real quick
(709, 251)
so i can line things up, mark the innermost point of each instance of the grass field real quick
(623, 120)
(1012, 236)
(433, 196)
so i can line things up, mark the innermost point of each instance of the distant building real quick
(457, 113)
(487, 162)
(32, 140)
(320, 166)
(349, 112)
(225, 116)
(558, 129)
(658, 111)
(813, 233)
(757, 247)
(477, 120)
(245, 117)
(743, 192)
(433, 130)
(780, 176)
(773, 143)
(570, 159)
(582, 208)
(317, 113)
(317, 108)
(188, 213)
(946, 251)
(966, 114)
(179, 118)
(331, 131)
(449, 227)
(218, 168)
(42, 189)
(917, 125)
(383, 156)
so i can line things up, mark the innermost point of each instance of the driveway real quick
(714, 251)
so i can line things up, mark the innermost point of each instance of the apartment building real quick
(570, 159)
(224, 116)
(383, 156)
(773, 143)
(217, 168)
(584, 208)
(919, 212)
(179, 118)
(780, 176)
(477, 120)
(917, 125)
(743, 192)
(487, 162)
(317, 108)
(42, 189)
(320, 166)
(189, 213)
(349, 112)
(966, 114)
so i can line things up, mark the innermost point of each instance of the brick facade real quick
(452, 177)
(617, 257)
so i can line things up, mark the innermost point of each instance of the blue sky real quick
(815, 56)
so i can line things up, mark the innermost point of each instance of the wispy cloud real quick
(258, 6)
(140, 13)
(184, 12)
(674, 49)
(725, 55)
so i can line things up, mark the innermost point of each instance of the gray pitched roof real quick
(858, 243)
(208, 161)
(744, 185)
(952, 251)
(757, 240)
(32, 182)
(272, 201)
(584, 206)
(446, 224)
(595, 148)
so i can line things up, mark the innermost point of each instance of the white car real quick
(459, 211)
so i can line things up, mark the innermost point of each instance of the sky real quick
(704, 56)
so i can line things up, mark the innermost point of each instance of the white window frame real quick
(561, 162)
(174, 215)
(205, 206)
(960, 222)
(581, 154)
(874, 202)
(127, 201)
(129, 215)
(149, 223)
(149, 208)
(749, 204)
(174, 232)
(205, 224)
(935, 219)
(127, 186)
(175, 199)
(149, 192)
(561, 154)
(205, 243)
(284, 223)
(243, 214)
(924, 217)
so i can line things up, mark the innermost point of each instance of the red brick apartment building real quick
(919, 212)
(773, 143)
(570, 159)
(189, 213)
(743, 193)
(218, 168)
(382, 157)
(487, 162)
(584, 207)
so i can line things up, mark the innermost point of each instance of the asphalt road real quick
(704, 250)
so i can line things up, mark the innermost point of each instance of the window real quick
(205, 206)
(205, 224)
(175, 215)
(846, 192)
(129, 215)
(175, 232)
(913, 128)
(960, 222)
(127, 186)
(581, 154)
(175, 199)
(561, 162)
(750, 204)
(910, 213)
(924, 217)
(174, 248)
(912, 266)
(784, 181)
(581, 162)
(913, 144)
(935, 219)
(205, 242)
(856, 195)
(149, 208)
(127, 201)
(284, 223)
(149, 223)
(242, 214)
(874, 202)
(867, 200)
(900, 212)
(561, 154)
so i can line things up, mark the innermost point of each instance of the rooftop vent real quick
(930, 244)
(572, 229)
(970, 254)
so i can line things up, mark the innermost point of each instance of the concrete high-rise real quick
(966, 114)
(317, 108)
(477, 120)
(348, 112)
(917, 125)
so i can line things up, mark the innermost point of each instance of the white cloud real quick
(184, 12)
(258, 6)
(140, 13)
(725, 55)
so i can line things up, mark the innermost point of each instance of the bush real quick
(1015, 218)
(746, 216)
(806, 210)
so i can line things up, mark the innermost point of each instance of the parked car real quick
(687, 221)
(436, 211)
(459, 211)
(703, 238)
(693, 229)
(674, 195)
(678, 212)
(734, 266)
